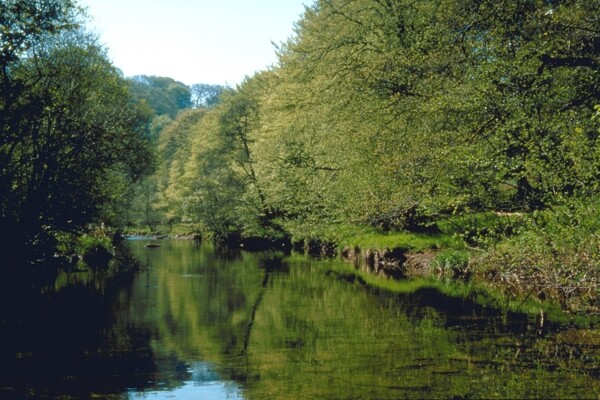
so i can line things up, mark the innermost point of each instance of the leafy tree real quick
(164, 95)
(69, 127)
(197, 184)
(538, 69)
(206, 95)
(216, 185)
(24, 23)
(396, 113)
(458, 103)
(174, 148)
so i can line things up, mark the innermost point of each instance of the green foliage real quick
(470, 117)
(24, 22)
(206, 95)
(164, 95)
(452, 263)
(96, 250)
(483, 229)
(68, 128)
(557, 257)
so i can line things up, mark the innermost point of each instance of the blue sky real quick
(193, 41)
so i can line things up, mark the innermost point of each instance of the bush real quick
(556, 257)
(484, 229)
(452, 263)
(96, 250)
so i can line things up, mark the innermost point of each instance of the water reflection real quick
(219, 323)
(205, 384)
(282, 327)
(71, 342)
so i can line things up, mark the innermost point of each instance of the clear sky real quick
(193, 41)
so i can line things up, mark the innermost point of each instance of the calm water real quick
(206, 323)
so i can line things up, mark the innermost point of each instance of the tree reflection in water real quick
(224, 323)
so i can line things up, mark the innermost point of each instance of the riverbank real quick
(550, 258)
(550, 268)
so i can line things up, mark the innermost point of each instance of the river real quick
(203, 322)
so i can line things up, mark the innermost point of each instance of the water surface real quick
(209, 323)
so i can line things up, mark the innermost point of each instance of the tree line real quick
(394, 114)
(77, 138)
(473, 118)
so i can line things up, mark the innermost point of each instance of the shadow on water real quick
(497, 337)
(458, 311)
(73, 341)
(465, 313)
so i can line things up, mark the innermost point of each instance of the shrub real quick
(96, 250)
(557, 257)
(452, 263)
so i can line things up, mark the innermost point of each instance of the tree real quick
(164, 95)
(538, 90)
(456, 101)
(174, 148)
(394, 113)
(69, 129)
(206, 95)
(24, 22)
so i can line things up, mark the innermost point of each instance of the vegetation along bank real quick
(460, 135)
